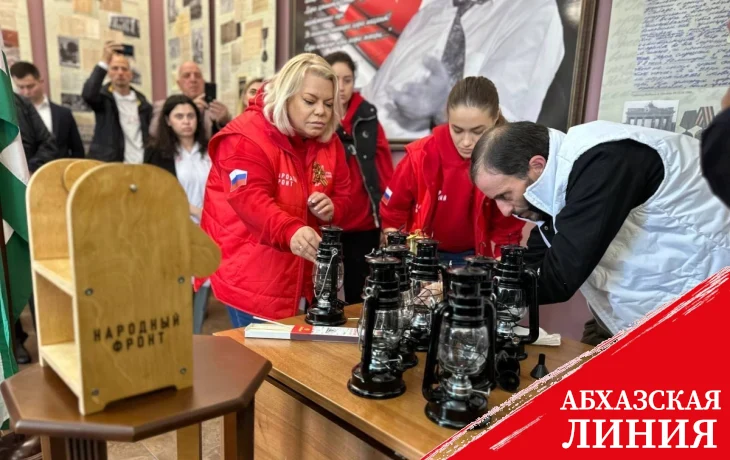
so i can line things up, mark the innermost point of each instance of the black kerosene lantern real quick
(328, 275)
(408, 344)
(515, 289)
(425, 290)
(396, 237)
(379, 375)
(459, 346)
(486, 380)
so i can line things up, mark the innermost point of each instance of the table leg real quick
(84, 449)
(189, 445)
(237, 434)
(53, 448)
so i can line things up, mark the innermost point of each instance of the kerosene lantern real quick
(486, 380)
(407, 347)
(515, 289)
(379, 375)
(328, 275)
(425, 290)
(396, 237)
(458, 350)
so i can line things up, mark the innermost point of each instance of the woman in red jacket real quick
(431, 190)
(371, 168)
(278, 173)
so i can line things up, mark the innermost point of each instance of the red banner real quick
(655, 391)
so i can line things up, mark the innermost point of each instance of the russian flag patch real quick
(238, 178)
(386, 196)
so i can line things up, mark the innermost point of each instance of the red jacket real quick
(412, 200)
(254, 219)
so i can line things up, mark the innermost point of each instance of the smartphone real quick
(210, 92)
(128, 50)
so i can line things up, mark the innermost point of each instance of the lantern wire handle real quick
(326, 274)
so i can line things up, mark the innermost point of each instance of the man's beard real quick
(543, 216)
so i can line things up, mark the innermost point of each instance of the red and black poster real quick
(404, 51)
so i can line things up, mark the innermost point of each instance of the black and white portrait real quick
(198, 46)
(196, 10)
(171, 11)
(68, 52)
(173, 45)
(74, 102)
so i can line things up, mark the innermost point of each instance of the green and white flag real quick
(13, 180)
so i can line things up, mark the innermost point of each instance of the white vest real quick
(666, 246)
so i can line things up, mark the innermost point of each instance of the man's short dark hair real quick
(21, 69)
(507, 149)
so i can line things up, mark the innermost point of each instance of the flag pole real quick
(6, 272)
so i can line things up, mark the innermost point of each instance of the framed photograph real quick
(409, 55)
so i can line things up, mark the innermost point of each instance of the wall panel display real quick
(245, 34)
(15, 30)
(76, 31)
(187, 38)
(671, 84)
(410, 53)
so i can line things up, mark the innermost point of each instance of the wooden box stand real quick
(113, 250)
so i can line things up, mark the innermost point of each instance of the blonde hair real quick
(288, 81)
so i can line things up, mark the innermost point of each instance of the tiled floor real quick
(160, 447)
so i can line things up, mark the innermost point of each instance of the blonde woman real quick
(278, 174)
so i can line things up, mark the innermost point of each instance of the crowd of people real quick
(623, 213)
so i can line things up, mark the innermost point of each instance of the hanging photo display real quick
(187, 38)
(76, 32)
(245, 34)
(409, 53)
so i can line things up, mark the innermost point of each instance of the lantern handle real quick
(430, 376)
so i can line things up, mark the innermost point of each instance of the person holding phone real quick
(279, 173)
(190, 81)
(122, 112)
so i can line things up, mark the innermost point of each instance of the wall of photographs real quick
(245, 37)
(75, 35)
(15, 30)
(187, 38)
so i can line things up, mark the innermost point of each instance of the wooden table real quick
(305, 409)
(226, 377)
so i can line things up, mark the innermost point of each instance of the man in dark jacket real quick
(122, 113)
(59, 120)
(40, 148)
(716, 152)
(38, 142)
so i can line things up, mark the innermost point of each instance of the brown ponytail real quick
(477, 92)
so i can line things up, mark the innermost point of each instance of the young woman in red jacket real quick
(278, 174)
(431, 190)
(371, 168)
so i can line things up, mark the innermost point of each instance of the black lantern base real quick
(408, 359)
(516, 351)
(456, 414)
(482, 384)
(422, 339)
(382, 385)
(333, 315)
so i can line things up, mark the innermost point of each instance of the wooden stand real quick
(113, 250)
(226, 379)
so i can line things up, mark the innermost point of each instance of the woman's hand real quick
(384, 235)
(304, 243)
(196, 212)
(321, 206)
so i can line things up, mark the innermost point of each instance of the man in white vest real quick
(623, 214)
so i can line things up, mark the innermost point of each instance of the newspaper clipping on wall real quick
(15, 30)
